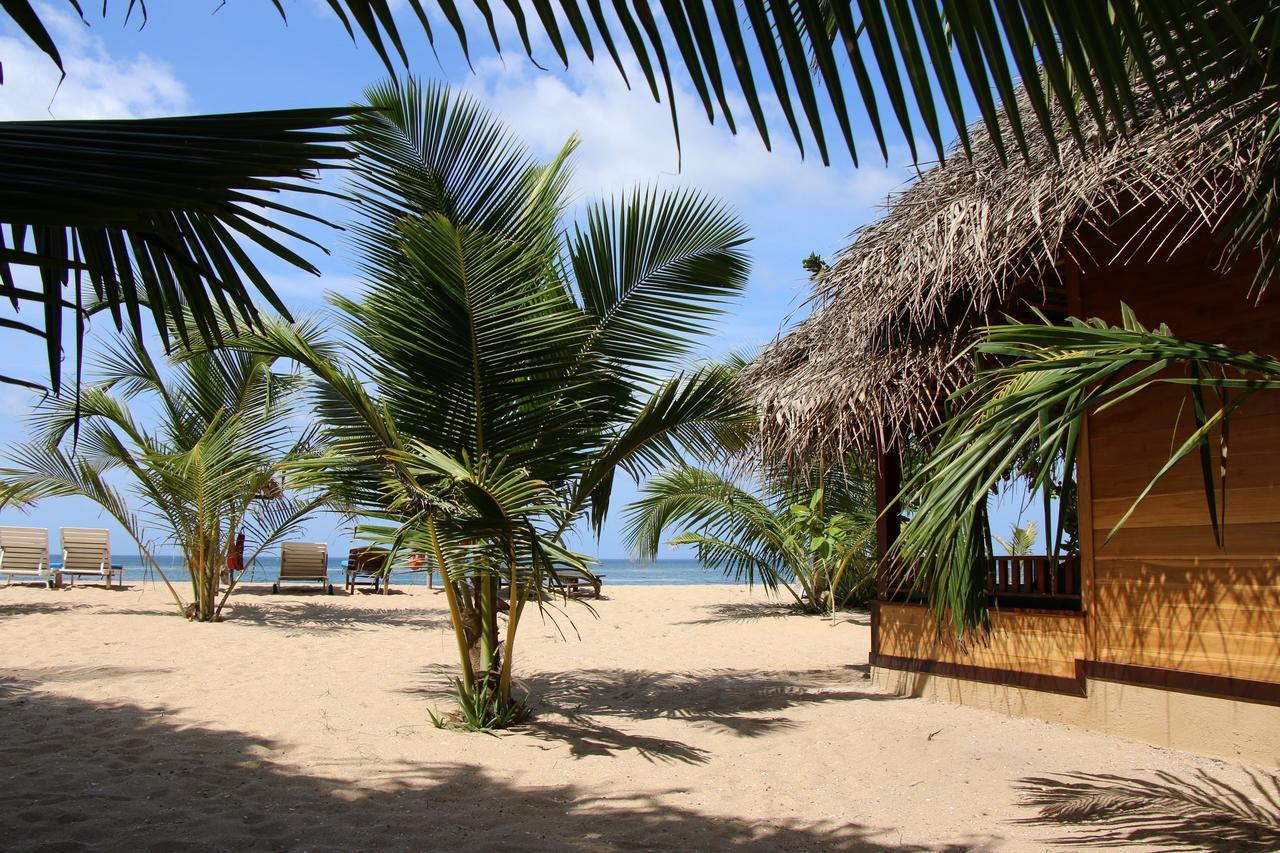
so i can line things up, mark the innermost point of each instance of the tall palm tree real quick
(513, 366)
(815, 543)
(207, 470)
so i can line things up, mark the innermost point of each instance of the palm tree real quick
(1030, 406)
(817, 544)
(1021, 541)
(512, 367)
(209, 468)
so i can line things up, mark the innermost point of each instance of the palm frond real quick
(157, 213)
(903, 56)
(735, 530)
(1030, 406)
(651, 269)
(698, 416)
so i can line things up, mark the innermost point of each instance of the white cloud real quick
(627, 139)
(792, 206)
(97, 85)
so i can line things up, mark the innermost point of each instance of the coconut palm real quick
(205, 471)
(1030, 406)
(816, 544)
(499, 371)
(1021, 541)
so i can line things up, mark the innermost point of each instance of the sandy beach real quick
(694, 717)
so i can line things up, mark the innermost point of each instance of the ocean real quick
(617, 572)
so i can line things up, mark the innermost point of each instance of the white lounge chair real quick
(304, 562)
(86, 552)
(24, 553)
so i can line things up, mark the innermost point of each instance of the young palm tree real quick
(207, 470)
(1031, 406)
(513, 367)
(817, 544)
(1021, 541)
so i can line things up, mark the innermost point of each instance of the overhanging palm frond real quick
(891, 64)
(651, 269)
(698, 416)
(900, 63)
(160, 213)
(1031, 407)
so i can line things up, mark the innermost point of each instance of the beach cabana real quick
(1158, 634)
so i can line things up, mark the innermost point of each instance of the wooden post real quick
(888, 517)
(888, 526)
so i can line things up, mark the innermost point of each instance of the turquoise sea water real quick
(618, 572)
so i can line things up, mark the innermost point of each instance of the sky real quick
(190, 59)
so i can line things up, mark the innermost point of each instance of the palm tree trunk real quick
(455, 610)
(515, 608)
(488, 599)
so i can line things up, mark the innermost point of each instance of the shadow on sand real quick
(755, 611)
(1165, 811)
(36, 608)
(582, 708)
(97, 775)
(284, 613)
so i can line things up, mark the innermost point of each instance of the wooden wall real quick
(1161, 593)
(1020, 641)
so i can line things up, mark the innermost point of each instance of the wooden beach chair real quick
(578, 582)
(365, 565)
(86, 553)
(24, 554)
(304, 562)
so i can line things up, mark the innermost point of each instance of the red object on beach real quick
(235, 558)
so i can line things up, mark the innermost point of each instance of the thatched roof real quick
(875, 357)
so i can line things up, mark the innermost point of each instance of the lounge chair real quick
(86, 552)
(578, 582)
(24, 553)
(304, 562)
(365, 565)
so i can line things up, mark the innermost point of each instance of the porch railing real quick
(1035, 577)
(1029, 582)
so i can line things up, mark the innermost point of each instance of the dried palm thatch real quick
(971, 239)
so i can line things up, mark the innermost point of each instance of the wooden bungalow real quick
(1158, 634)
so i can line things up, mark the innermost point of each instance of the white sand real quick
(676, 718)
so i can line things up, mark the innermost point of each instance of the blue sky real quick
(189, 60)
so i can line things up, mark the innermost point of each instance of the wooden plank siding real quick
(1161, 593)
(1029, 642)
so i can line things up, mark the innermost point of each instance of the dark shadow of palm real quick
(231, 790)
(1167, 811)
